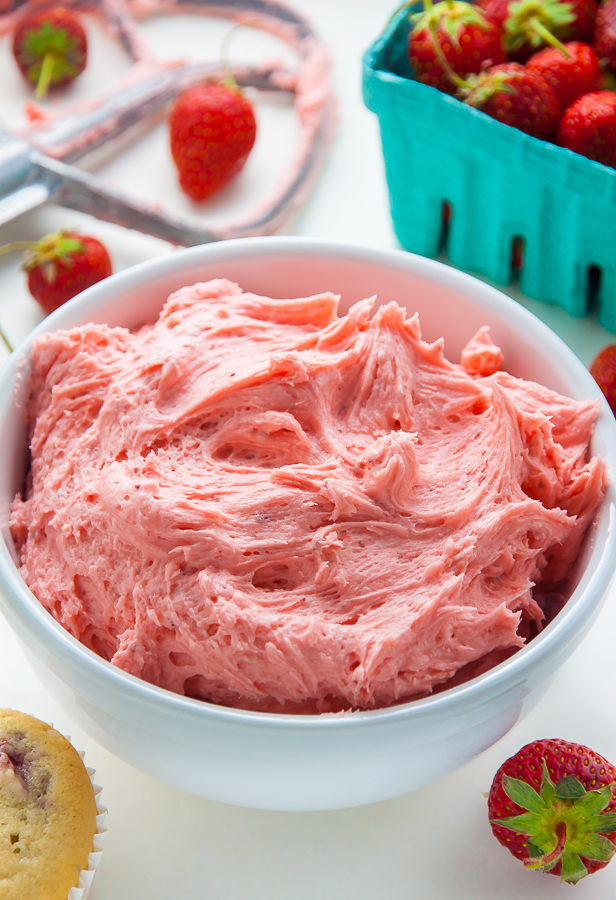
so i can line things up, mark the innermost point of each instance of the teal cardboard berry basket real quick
(502, 185)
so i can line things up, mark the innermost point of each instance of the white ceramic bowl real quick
(305, 762)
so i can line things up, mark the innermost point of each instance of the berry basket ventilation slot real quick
(502, 186)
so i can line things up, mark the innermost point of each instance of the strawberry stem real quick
(438, 52)
(6, 341)
(17, 245)
(227, 78)
(549, 859)
(396, 11)
(47, 67)
(539, 28)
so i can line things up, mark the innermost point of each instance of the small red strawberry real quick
(212, 129)
(605, 33)
(61, 265)
(515, 96)
(50, 48)
(553, 805)
(603, 370)
(588, 127)
(495, 10)
(459, 33)
(571, 73)
(530, 24)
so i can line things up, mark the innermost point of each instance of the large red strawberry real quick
(553, 805)
(588, 127)
(61, 265)
(530, 24)
(603, 370)
(50, 47)
(605, 33)
(212, 130)
(571, 73)
(458, 33)
(516, 96)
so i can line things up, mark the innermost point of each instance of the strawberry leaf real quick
(605, 824)
(46, 38)
(547, 786)
(529, 20)
(596, 801)
(484, 86)
(523, 794)
(66, 246)
(452, 28)
(46, 253)
(448, 18)
(569, 788)
(573, 869)
(533, 850)
(595, 846)
(522, 824)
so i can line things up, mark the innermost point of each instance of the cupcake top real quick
(47, 811)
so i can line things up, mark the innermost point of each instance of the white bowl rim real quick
(558, 634)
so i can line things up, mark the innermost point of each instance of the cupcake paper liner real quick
(86, 876)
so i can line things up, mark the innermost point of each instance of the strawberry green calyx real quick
(563, 823)
(55, 53)
(451, 16)
(49, 251)
(479, 88)
(533, 22)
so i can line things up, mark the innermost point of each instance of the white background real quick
(164, 844)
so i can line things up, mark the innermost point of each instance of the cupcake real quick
(49, 817)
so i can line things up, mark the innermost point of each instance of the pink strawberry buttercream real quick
(261, 504)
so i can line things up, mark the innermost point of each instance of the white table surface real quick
(165, 844)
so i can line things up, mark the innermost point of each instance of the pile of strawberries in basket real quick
(547, 67)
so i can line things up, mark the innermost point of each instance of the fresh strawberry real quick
(530, 24)
(61, 265)
(50, 47)
(495, 10)
(553, 805)
(457, 32)
(605, 33)
(571, 73)
(515, 96)
(212, 130)
(603, 370)
(588, 127)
